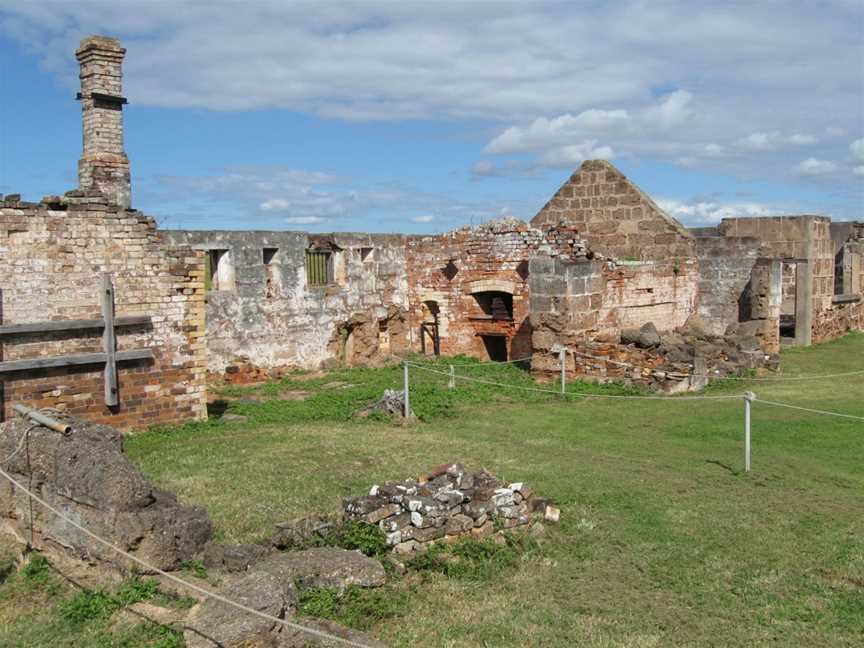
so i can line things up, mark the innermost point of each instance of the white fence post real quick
(562, 357)
(451, 381)
(405, 393)
(748, 399)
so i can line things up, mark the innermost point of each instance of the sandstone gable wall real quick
(614, 216)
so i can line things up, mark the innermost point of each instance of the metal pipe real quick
(39, 417)
(748, 399)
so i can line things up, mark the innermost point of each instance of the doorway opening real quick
(496, 347)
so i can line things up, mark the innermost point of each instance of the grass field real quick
(664, 541)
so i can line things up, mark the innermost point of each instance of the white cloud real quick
(710, 212)
(814, 167)
(858, 170)
(567, 131)
(304, 220)
(857, 148)
(575, 154)
(774, 140)
(426, 218)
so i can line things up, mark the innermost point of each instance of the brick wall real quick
(51, 256)
(614, 217)
(448, 273)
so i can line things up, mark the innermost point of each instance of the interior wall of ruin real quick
(725, 265)
(614, 217)
(578, 302)
(51, 256)
(806, 242)
(274, 316)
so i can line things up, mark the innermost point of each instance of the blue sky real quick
(423, 117)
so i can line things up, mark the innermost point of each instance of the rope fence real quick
(748, 397)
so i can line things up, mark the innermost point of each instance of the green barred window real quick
(319, 269)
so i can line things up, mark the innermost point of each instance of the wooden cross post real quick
(109, 341)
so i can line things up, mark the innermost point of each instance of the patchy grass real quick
(663, 541)
(39, 608)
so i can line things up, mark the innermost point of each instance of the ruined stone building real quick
(598, 259)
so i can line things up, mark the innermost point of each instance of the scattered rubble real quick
(391, 403)
(272, 587)
(446, 504)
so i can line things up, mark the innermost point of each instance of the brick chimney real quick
(103, 165)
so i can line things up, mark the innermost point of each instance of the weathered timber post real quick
(109, 341)
(451, 381)
(562, 357)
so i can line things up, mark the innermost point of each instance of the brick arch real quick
(492, 285)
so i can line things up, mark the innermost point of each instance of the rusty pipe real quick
(39, 417)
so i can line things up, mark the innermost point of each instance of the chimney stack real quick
(103, 164)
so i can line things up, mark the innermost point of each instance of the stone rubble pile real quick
(446, 504)
(392, 403)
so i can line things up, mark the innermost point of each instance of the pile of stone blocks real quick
(446, 504)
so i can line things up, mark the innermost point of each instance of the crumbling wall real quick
(614, 216)
(805, 245)
(576, 303)
(454, 273)
(270, 315)
(51, 257)
(725, 264)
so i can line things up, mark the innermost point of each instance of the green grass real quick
(664, 540)
(38, 607)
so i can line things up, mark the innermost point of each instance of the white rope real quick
(786, 378)
(581, 394)
(180, 581)
(441, 363)
(807, 409)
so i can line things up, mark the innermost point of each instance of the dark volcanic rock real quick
(86, 475)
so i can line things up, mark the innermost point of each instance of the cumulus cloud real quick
(775, 140)
(815, 167)
(710, 212)
(270, 197)
(857, 148)
(567, 136)
(304, 220)
(574, 154)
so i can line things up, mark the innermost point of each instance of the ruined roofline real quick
(604, 165)
(642, 194)
(498, 222)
